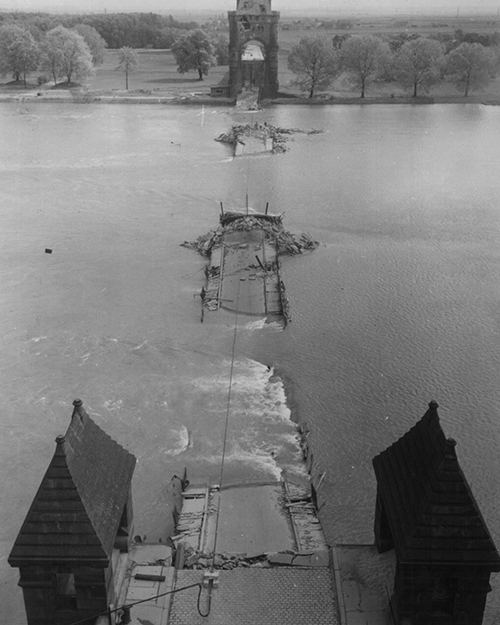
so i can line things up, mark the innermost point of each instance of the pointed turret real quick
(427, 512)
(80, 514)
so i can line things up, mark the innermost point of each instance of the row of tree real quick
(73, 53)
(63, 53)
(135, 30)
(417, 64)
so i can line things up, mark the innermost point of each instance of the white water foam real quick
(113, 405)
(183, 439)
(255, 459)
(261, 434)
(37, 339)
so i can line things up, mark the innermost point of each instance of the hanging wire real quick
(204, 614)
(248, 177)
(130, 605)
(226, 425)
(221, 476)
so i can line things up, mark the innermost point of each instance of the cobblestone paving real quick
(280, 596)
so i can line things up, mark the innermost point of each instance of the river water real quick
(399, 305)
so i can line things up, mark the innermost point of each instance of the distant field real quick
(423, 25)
(156, 72)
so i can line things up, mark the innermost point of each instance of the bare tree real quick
(362, 58)
(471, 65)
(315, 63)
(418, 63)
(128, 60)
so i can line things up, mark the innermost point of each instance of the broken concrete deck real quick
(262, 572)
(254, 521)
(251, 521)
(250, 286)
(243, 274)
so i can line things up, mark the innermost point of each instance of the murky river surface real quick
(399, 305)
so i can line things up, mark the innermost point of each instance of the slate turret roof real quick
(429, 506)
(76, 512)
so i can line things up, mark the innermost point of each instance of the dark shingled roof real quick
(431, 511)
(76, 512)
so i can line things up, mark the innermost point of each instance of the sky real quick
(305, 6)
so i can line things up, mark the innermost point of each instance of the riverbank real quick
(80, 96)
(475, 99)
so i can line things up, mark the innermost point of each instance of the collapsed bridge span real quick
(243, 273)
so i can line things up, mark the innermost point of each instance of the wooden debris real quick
(287, 243)
(264, 131)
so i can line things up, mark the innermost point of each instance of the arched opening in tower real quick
(252, 64)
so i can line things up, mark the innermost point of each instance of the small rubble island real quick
(274, 138)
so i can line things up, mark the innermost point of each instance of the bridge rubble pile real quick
(287, 242)
(195, 559)
(257, 130)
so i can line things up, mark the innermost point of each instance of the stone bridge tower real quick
(253, 48)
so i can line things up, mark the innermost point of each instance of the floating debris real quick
(244, 250)
(262, 131)
(287, 242)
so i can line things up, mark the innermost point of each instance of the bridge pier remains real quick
(253, 48)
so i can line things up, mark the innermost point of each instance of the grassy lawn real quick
(156, 72)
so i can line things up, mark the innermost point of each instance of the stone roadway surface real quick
(247, 596)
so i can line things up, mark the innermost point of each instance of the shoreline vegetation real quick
(77, 95)
(154, 77)
(186, 91)
(154, 84)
